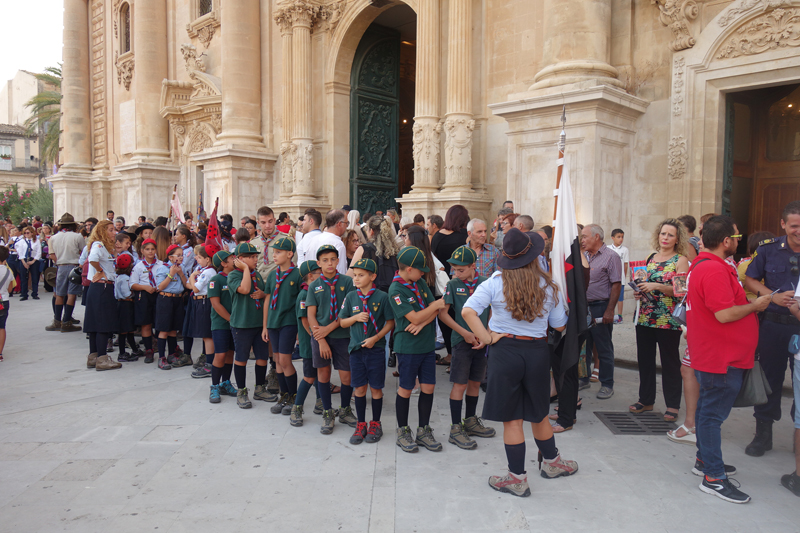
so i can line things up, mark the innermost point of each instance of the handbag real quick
(679, 312)
(755, 387)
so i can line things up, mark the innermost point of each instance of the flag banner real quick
(212, 233)
(177, 209)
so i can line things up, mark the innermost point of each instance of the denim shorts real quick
(417, 365)
(796, 388)
(246, 338)
(223, 340)
(282, 339)
(368, 367)
(622, 293)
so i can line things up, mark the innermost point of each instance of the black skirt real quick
(144, 308)
(101, 309)
(201, 310)
(125, 316)
(169, 313)
(518, 382)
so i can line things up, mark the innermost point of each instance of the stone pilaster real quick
(303, 14)
(284, 20)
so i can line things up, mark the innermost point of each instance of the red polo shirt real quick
(714, 346)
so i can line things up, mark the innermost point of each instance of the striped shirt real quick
(605, 269)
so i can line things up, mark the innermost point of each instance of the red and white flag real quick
(177, 209)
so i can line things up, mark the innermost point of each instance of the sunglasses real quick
(795, 270)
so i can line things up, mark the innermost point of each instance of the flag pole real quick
(562, 144)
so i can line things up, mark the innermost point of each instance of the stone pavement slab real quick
(141, 449)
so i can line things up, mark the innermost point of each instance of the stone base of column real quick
(600, 131)
(143, 188)
(576, 72)
(296, 206)
(243, 180)
(72, 192)
(427, 204)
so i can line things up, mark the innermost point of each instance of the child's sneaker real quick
(242, 399)
(474, 427)
(360, 433)
(261, 393)
(125, 357)
(511, 483)
(405, 441)
(374, 433)
(296, 416)
(425, 438)
(173, 359)
(318, 407)
(214, 397)
(287, 409)
(163, 364)
(183, 359)
(227, 388)
(346, 416)
(327, 422)
(278, 407)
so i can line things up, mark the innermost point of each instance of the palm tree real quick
(46, 114)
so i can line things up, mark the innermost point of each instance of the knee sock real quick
(515, 453)
(424, 408)
(261, 375)
(302, 392)
(216, 373)
(148, 343)
(472, 406)
(102, 343)
(455, 411)
(547, 447)
(68, 311)
(282, 383)
(122, 343)
(241, 376)
(172, 342)
(188, 342)
(325, 394)
(361, 408)
(377, 407)
(291, 384)
(132, 342)
(92, 342)
(316, 388)
(401, 406)
(59, 310)
(226, 372)
(346, 394)
(162, 347)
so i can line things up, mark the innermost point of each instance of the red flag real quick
(212, 233)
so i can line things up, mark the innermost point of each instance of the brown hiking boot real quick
(90, 363)
(67, 326)
(55, 326)
(104, 362)
(182, 359)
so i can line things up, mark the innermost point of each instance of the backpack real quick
(386, 267)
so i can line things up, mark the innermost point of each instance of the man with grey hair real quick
(602, 295)
(336, 225)
(497, 232)
(524, 223)
(486, 265)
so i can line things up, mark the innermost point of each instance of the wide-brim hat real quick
(50, 274)
(143, 227)
(67, 220)
(520, 250)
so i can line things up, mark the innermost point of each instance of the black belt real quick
(787, 320)
(597, 301)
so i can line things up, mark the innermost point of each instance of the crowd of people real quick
(363, 294)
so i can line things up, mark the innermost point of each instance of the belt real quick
(200, 297)
(170, 295)
(125, 300)
(524, 338)
(105, 281)
(787, 320)
(597, 301)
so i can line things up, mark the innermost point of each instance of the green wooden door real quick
(727, 163)
(374, 121)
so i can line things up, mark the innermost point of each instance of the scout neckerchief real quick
(279, 278)
(412, 287)
(365, 304)
(267, 242)
(332, 285)
(149, 268)
(253, 285)
(29, 252)
(471, 285)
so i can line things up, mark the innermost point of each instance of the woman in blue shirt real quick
(101, 320)
(524, 302)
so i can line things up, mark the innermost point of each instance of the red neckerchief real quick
(332, 285)
(149, 269)
(267, 242)
(279, 278)
(412, 287)
(365, 304)
(253, 285)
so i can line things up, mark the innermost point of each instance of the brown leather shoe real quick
(92, 361)
(55, 326)
(105, 362)
(67, 326)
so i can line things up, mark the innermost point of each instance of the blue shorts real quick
(368, 367)
(417, 365)
(282, 339)
(467, 364)
(223, 340)
(796, 388)
(246, 338)
(308, 369)
(622, 292)
(339, 354)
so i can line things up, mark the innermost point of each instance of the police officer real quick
(775, 269)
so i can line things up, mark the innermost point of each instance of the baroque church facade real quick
(672, 107)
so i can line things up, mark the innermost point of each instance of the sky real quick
(31, 36)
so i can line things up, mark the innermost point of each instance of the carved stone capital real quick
(427, 135)
(676, 14)
(192, 60)
(303, 13)
(283, 19)
(125, 65)
(677, 157)
(330, 15)
(779, 28)
(458, 151)
(203, 28)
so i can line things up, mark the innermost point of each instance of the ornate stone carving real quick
(216, 122)
(330, 15)
(192, 60)
(203, 28)
(458, 152)
(375, 122)
(302, 12)
(287, 161)
(676, 14)
(677, 155)
(777, 29)
(200, 142)
(677, 86)
(125, 67)
(746, 5)
(284, 20)
(302, 163)
(378, 70)
(427, 144)
(115, 7)
(179, 130)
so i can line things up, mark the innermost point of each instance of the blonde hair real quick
(383, 237)
(200, 250)
(680, 233)
(100, 234)
(524, 295)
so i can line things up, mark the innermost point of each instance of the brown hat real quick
(66, 220)
(50, 274)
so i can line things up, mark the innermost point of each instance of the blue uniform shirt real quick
(189, 262)
(175, 286)
(122, 287)
(771, 266)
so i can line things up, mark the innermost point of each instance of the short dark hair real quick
(418, 218)
(160, 221)
(142, 217)
(3, 253)
(333, 217)
(265, 211)
(508, 202)
(436, 220)
(716, 229)
(241, 235)
(689, 222)
(227, 217)
(283, 216)
(315, 215)
(755, 238)
(615, 232)
(121, 236)
(109, 211)
(91, 219)
(792, 208)
(456, 218)
(548, 230)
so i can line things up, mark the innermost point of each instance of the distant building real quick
(19, 158)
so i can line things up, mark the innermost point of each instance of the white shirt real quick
(22, 249)
(9, 278)
(202, 281)
(624, 255)
(318, 240)
(99, 254)
(302, 246)
(139, 274)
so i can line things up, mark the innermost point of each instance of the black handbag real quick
(755, 387)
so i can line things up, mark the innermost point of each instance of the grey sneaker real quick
(584, 384)
(296, 416)
(605, 393)
(346, 416)
(558, 468)
(459, 437)
(287, 409)
(318, 408)
(474, 427)
(242, 400)
(200, 361)
(425, 438)
(261, 393)
(328, 421)
(278, 407)
(511, 483)
(272, 382)
(406, 441)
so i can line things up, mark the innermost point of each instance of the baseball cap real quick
(284, 243)
(365, 264)
(246, 248)
(463, 256)
(219, 257)
(308, 267)
(327, 248)
(413, 257)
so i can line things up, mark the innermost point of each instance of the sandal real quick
(447, 370)
(688, 438)
(639, 407)
(671, 416)
(580, 404)
(595, 377)
(396, 374)
(444, 361)
(335, 389)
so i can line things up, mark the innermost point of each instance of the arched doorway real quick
(381, 111)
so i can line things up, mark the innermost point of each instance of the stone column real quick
(150, 51)
(241, 74)
(427, 128)
(459, 124)
(77, 116)
(303, 14)
(577, 37)
(284, 20)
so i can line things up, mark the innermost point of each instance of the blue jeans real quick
(600, 335)
(717, 394)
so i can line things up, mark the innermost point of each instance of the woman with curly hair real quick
(524, 302)
(101, 318)
(381, 246)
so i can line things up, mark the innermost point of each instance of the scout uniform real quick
(221, 330)
(304, 340)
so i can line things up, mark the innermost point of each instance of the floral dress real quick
(658, 314)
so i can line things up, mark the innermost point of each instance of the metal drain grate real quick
(626, 423)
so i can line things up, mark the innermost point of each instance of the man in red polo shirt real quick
(722, 333)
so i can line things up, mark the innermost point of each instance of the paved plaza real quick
(140, 449)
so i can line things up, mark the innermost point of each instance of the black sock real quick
(68, 311)
(162, 347)
(172, 342)
(102, 344)
(59, 311)
(291, 384)
(148, 343)
(346, 394)
(547, 447)
(241, 376)
(282, 382)
(302, 392)
(515, 453)
(132, 342)
(401, 406)
(424, 408)
(188, 342)
(226, 372)
(325, 394)
(92, 342)
(455, 411)
(122, 347)
(377, 407)
(216, 373)
(472, 406)
(261, 375)
(361, 408)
